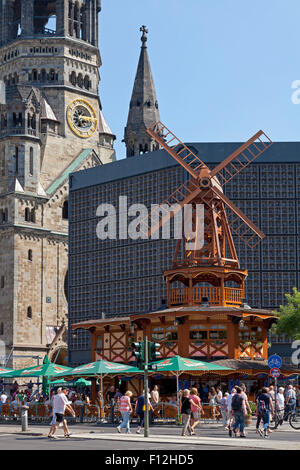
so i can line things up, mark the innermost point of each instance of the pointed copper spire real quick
(143, 111)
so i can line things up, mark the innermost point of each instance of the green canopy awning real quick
(98, 368)
(76, 383)
(182, 364)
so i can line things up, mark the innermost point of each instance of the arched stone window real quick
(29, 255)
(80, 80)
(52, 75)
(43, 75)
(34, 75)
(2, 282)
(29, 312)
(27, 214)
(87, 82)
(31, 161)
(1, 329)
(65, 210)
(73, 78)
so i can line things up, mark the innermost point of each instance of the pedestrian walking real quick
(280, 403)
(238, 407)
(186, 411)
(290, 401)
(224, 410)
(60, 406)
(258, 415)
(229, 410)
(213, 401)
(196, 409)
(140, 410)
(265, 408)
(154, 401)
(125, 409)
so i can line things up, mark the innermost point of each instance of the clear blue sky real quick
(223, 69)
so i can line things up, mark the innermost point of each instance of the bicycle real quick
(292, 418)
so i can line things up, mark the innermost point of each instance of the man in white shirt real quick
(60, 405)
(3, 399)
(280, 404)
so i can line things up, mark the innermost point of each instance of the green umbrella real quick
(75, 383)
(82, 383)
(44, 370)
(46, 384)
(4, 371)
(99, 369)
(177, 365)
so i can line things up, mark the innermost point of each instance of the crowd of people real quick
(232, 407)
(15, 396)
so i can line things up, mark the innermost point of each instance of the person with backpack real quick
(238, 409)
(265, 408)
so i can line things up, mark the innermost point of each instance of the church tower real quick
(51, 124)
(143, 108)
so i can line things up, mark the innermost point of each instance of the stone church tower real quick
(51, 124)
(143, 108)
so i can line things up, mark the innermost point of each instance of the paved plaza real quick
(92, 437)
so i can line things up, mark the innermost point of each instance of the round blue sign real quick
(274, 361)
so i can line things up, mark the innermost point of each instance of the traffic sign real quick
(274, 361)
(275, 372)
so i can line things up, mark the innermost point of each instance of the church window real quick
(16, 160)
(34, 75)
(29, 255)
(31, 161)
(52, 75)
(14, 119)
(29, 312)
(2, 282)
(43, 75)
(20, 119)
(65, 210)
(86, 82)
(80, 80)
(33, 122)
(1, 329)
(73, 78)
(27, 214)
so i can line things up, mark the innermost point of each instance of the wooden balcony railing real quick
(180, 296)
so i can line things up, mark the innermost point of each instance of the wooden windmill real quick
(216, 262)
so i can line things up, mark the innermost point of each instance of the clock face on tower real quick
(82, 118)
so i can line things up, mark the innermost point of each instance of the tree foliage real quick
(289, 316)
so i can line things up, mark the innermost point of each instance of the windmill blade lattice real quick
(242, 157)
(178, 149)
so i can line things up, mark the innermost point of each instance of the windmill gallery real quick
(206, 316)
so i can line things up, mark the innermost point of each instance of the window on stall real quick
(256, 334)
(198, 332)
(158, 334)
(244, 334)
(218, 333)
